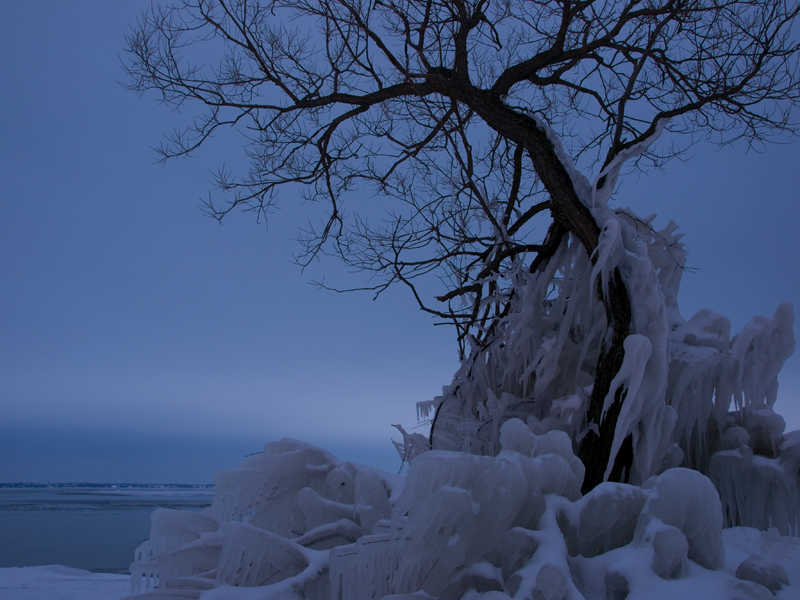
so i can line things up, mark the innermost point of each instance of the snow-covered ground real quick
(54, 582)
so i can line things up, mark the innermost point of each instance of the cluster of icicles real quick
(694, 396)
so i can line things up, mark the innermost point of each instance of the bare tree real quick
(467, 117)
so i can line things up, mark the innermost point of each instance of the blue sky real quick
(140, 340)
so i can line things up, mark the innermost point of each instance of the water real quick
(90, 527)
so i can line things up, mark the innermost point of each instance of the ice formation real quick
(491, 507)
(295, 522)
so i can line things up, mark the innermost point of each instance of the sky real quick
(142, 341)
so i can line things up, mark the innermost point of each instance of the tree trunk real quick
(570, 213)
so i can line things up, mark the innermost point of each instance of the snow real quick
(604, 519)
(54, 582)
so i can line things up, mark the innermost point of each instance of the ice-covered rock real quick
(547, 449)
(558, 442)
(603, 519)
(735, 437)
(765, 428)
(517, 436)
(556, 476)
(688, 501)
(670, 548)
(551, 583)
(515, 548)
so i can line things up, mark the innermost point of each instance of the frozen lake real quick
(92, 527)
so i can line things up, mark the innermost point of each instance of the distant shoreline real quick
(192, 486)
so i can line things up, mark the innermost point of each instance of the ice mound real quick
(295, 522)
(765, 572)
(604, 519)
(271, 525)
